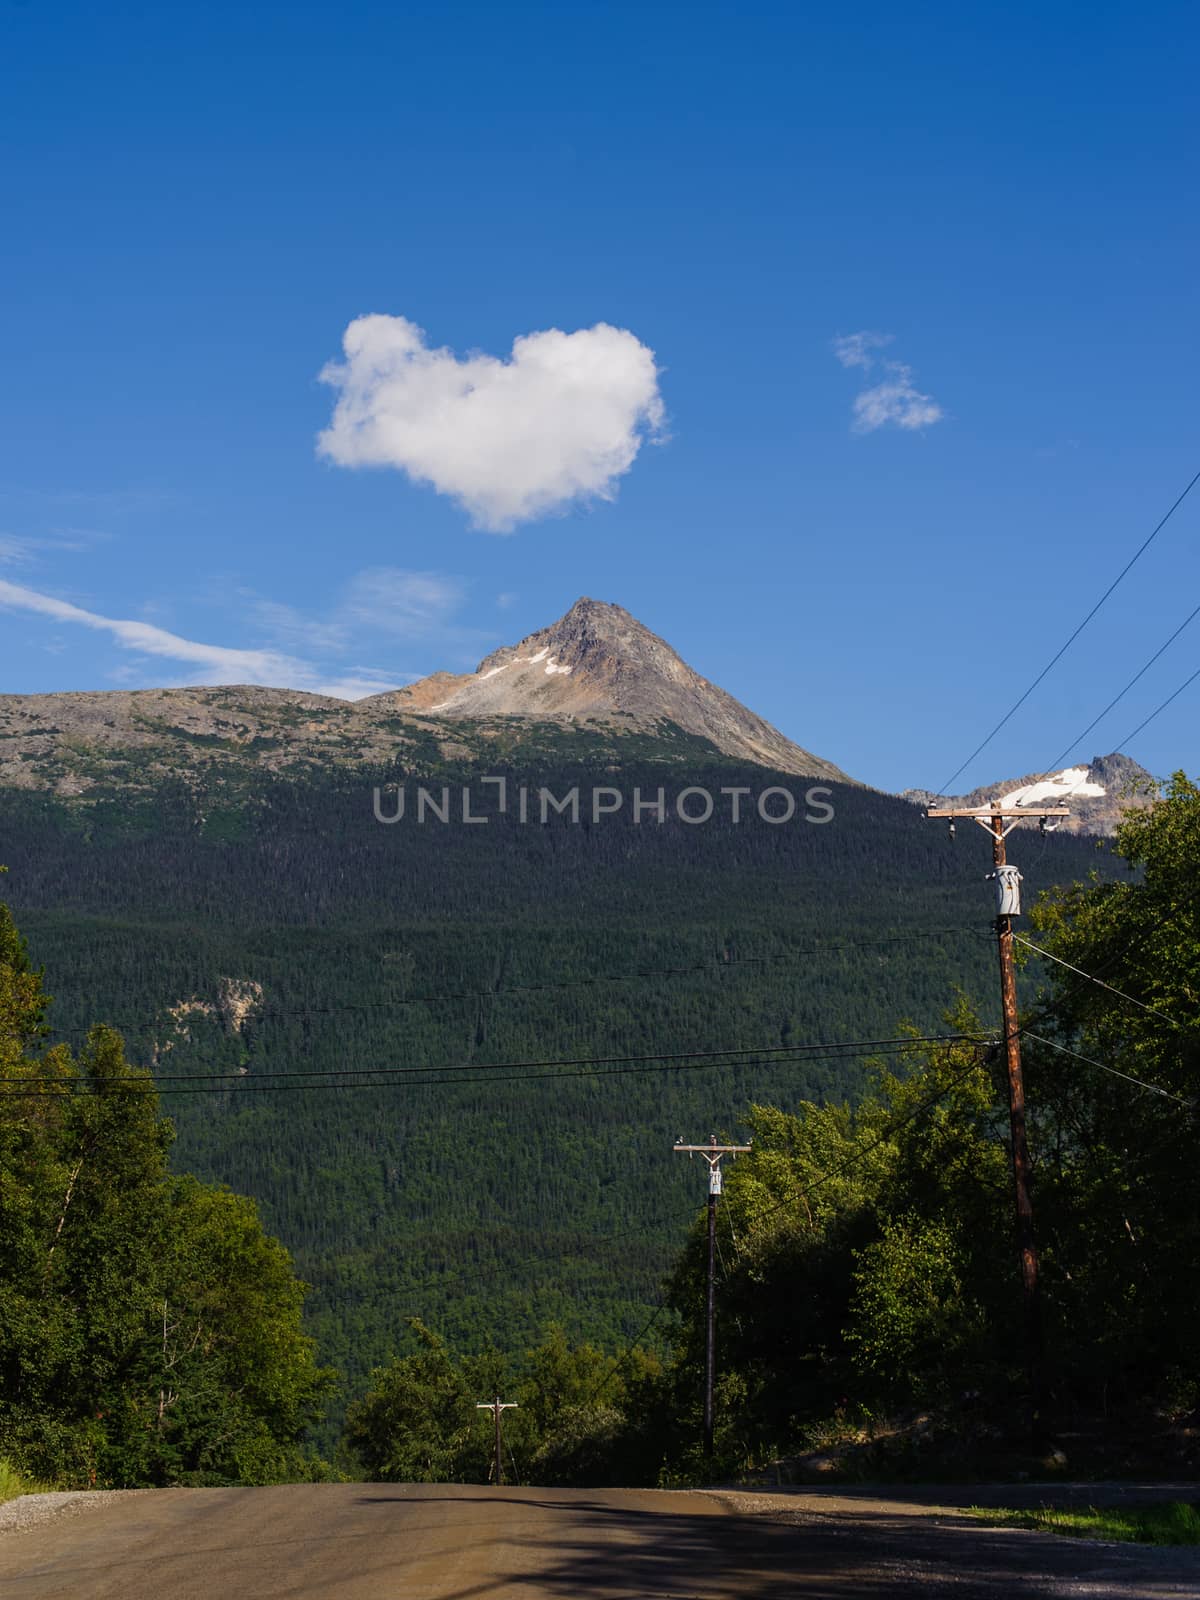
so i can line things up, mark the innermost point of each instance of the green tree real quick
(581, 1416)
(595, 1419)
(1118, 1175)
(149, 1329)
(416, 1422)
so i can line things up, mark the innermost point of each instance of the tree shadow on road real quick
(611, 1552)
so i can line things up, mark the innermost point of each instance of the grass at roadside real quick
(1176, 1523)
(14, 1483)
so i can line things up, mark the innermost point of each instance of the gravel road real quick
(458, 1542)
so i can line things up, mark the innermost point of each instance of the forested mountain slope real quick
(292, 933)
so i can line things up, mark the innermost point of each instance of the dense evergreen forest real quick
(240, 943)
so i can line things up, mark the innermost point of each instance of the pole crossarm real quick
(991, 818)
(713, 1151)
(998, 811)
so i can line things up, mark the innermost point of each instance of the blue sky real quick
(200, 201)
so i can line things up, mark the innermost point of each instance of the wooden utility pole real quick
(496, 1406)
(712, 1153)
(1008, 904)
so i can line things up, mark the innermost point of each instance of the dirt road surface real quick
(456, 1542)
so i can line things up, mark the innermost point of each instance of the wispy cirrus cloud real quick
(380, 606)
(394, 600)
(893, 401)
(293, 629)
(556, 423)
(20, 550)
(397, 604)
(229, 664)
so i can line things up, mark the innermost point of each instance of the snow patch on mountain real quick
(1096, 795)
(1072, 782)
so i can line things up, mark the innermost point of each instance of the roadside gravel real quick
(34, 1510)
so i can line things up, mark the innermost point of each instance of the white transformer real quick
(1008, 891)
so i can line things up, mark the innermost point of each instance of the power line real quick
(1058, 655)
(485, 1072)
(894, 1126)
(1187, 682)
(1048, 1007)
(1151, 1088)
(637, 973)
(1039, 1013)
(861, 1153)
(599, 1388)
(1141, 673)
(820, 1048)
(1121, 995)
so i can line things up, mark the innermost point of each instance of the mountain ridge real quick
(1097, 793)
(596, 688)
(596, 685)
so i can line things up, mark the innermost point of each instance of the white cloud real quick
(895, 400)
(386, 600)
(219, 663)
(854, 349)
(559, 421)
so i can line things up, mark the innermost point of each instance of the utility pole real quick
(496, 1406)
(1008, 905)
(712, 1153)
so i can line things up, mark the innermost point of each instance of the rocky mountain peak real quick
(594, 635)
(598, 663)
